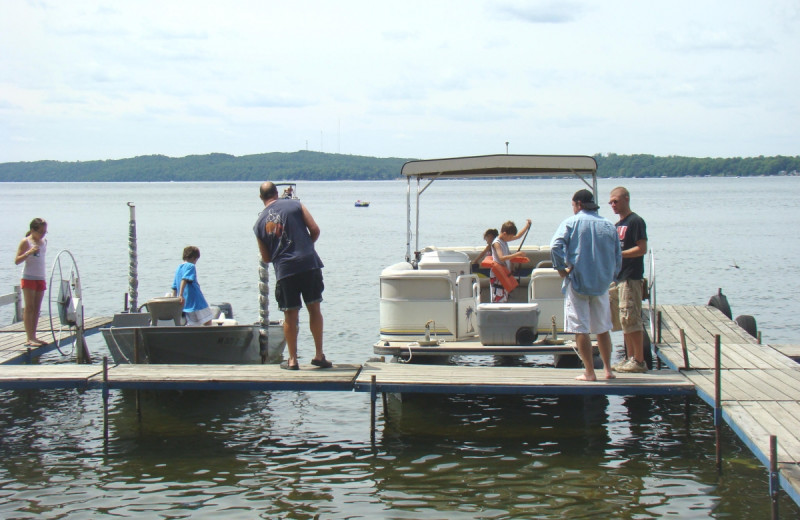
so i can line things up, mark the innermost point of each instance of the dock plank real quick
(760, 383)
(253, 377)
(399, 377)
(47, 376)
(788, 442)
(790, 351)
(13, 338)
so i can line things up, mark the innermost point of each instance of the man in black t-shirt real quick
(632, 232)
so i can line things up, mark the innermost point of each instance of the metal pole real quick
(137, 347)
(133, 262)
(81, 352)
(718, 399)
(263, 310)
(658, 325)
(105, 402)
(774, 483)
(685, 350)
(373, 394)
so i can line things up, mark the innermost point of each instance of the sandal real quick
(286, 366)
(321, 363)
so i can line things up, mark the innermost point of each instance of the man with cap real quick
(586, 252)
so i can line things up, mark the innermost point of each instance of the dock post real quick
(373, 395)
(105, 402)
(17, 304)
(133, 262)
(685, 350)
(774, 483)
(718, 399)
(263, 310)
(658, 327)
(137, 348)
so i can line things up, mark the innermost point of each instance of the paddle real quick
(522, 242)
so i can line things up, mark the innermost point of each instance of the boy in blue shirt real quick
(187, 288)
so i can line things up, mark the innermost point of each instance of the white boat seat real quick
(165, 308)
(545, 289)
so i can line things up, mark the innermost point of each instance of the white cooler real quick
(508, 323)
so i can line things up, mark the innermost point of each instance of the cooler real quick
(508, 323)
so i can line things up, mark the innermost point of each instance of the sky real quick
(88, 80)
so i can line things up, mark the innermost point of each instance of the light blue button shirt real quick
(590, 244)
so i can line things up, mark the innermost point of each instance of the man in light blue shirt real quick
(586, 252)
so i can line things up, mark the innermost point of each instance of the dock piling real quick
(658, 327)
(373, 394)
(105, 402)
(133, 260)
(718, 399)
(685, 350)
(774, 483)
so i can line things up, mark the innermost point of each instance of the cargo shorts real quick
(625, 298)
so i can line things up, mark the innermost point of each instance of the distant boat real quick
(289, 190)
(362, 203)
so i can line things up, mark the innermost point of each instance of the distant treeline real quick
(317, 166)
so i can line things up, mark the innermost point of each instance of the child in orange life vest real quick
(500, 280)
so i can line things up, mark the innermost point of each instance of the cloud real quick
(704, 39)
(268, 100)
(540, 12)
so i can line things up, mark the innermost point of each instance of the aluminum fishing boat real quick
(158, 337)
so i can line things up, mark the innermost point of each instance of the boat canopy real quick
(581, 166)
(501, 166)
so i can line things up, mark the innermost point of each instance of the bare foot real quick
(39, 342)
(610, 375)
(584, 377)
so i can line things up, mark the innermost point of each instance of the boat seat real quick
(545, 289)
(165, 308)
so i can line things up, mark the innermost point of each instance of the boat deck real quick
(472, 347)
(760, 386)
(12, 338)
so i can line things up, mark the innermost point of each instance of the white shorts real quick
(586, 314)
(200, 317)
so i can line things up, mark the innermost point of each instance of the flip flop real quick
(321, 363)
(286, 366)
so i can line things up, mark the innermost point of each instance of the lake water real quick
(296, 455)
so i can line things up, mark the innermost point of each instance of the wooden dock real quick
(12, 338)
(178, 377)
(760, 386)
(452, 379)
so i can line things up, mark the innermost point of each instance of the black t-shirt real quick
(631, 229)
